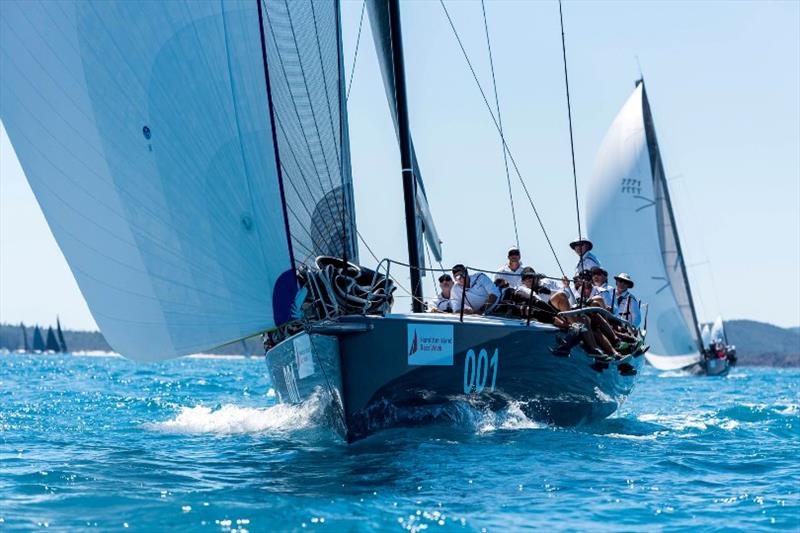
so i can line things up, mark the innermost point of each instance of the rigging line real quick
(502, 137)
(292, 179)
(569, 115)
(294, 103)
(364, 242)
(355, 54)
(378, 261)
(500, 123)
(336, 144)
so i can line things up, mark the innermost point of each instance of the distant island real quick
(11, 339)
(757, 343)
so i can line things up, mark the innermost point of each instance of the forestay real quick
(145, 132)
(379, 20)
(624, 224)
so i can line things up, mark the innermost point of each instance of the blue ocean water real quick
(199, 444)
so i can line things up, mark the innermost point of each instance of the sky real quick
(723, 80)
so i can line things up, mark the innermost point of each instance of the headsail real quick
(625, 223)
(379, 20)
(302, 41)
(146, 133)
(671, 251)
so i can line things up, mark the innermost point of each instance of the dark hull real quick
(715, 367)
(379, 380)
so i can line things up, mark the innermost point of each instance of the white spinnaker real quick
(621, 221)
(144, 131)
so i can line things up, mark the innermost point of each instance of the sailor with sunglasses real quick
(481, 296)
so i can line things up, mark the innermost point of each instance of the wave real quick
(230, 419)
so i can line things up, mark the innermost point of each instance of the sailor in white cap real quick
(625, 305)
(511, 272)
(586, 259)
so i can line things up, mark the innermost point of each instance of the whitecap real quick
(230, 419)
(652, 436)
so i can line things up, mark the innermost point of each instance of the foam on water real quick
(233, 419)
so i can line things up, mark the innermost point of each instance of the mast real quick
(657, 168)
(409, 181)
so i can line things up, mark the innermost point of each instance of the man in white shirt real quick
(600, 288)
(625, 305)
(511, 272)
(479, 294)
(442, 304)
(586, 259)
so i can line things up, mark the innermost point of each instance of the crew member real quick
(625, 305)
(600, 288)
(511, 272)
(586, 259)
(442, 304)
(479, 294)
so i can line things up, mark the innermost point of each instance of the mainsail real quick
(631, 224)
(381, 32)
(182, 182)
(61, 341)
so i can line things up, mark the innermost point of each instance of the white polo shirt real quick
(604, 292)
(442, 304)
(480, 287)
(513, 277)
(589, 262)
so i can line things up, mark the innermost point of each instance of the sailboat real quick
(720, 353)
(51, 344)
(62, 343)
(192, 160)
(25, 347)
(38, 340)
(632, 225)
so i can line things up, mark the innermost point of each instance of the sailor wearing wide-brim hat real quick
(625, 305)
(586, 259)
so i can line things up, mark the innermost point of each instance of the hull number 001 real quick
(476, 371)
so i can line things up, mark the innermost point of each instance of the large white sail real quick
(623, 223)
(146, 133)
